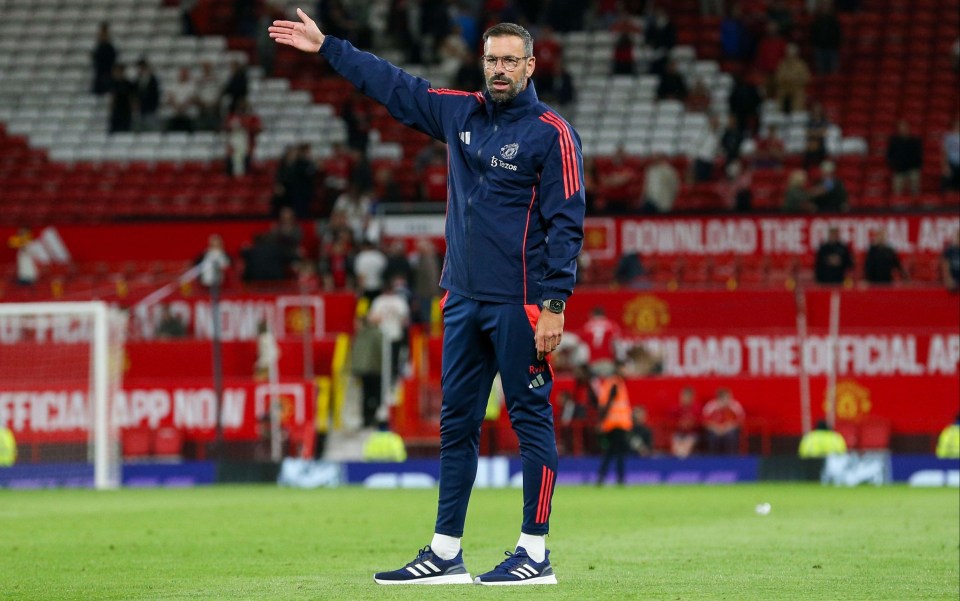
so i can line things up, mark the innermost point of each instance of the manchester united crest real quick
(509, 152)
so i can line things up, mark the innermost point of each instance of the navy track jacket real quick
(515, 197)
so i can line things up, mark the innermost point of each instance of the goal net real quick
(60, 367)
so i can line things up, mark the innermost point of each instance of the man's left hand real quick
(549, 332)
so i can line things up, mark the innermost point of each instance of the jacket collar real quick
(517, 107)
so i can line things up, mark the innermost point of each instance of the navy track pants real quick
(479, 339)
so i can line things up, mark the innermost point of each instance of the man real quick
(881, 261)
(616, 424)
(833, 260)
(722, 420)
(905, 159)
(514, 229)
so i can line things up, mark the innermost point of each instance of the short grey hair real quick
(504, 29)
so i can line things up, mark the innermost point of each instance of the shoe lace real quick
(513, 561)
(421, 554)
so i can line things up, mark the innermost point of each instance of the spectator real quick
(469, 76)
(266, 260)
(744, 102)
(398, 265)
(27, 271)
(830, 195)
(641, 436)
(616, 182)
(237, 87)
(242, 127)
(425, 282)
(660, 186)
(357, 207)
(950, 263)
(624, 62)
(336, 263)
(283, 180)
(905, 159)
(722, 420)
(881, 261)
(826, 36)
(289, 235)
(214, 262)
(778, 12)
(699, 99)
(170, 325)
(384, 446)
(736, 190)
(355, 112)
(821, 442)
(815, 149)
(104, 59)
(123, 100)
(834, 259)
(629, 272)
(731, 140)
(661, 36)
(735, 40)
(686, 425)
(451, 52)
(302, 183)
(148, 97)
(951, 158)
(208, 99)
(433, 179)
(796, 199)
(703, 152)
(791, 79)
(601, 335)
(385, 187)
(369, 265)
(268, 354)
(181, 98)
(770, 150)
(770, 53)
(672, 86)
(391, 312)
(366, 364)
(616, 423)
(642, 363)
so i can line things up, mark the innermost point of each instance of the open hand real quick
(304, 36)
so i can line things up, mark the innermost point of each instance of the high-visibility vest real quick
(820, 443)
(948, 446)
(8, 447)
(618, 415)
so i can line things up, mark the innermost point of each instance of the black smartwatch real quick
(554, 305)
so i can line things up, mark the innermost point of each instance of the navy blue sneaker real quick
(518, 568)
(427, 568)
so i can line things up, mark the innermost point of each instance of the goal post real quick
(61, 364)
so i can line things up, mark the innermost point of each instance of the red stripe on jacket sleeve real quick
(571, 175)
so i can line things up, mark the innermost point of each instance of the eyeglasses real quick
(510, 63)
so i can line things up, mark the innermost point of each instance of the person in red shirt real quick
(722, 420)
(770, 51)
(601, 335)
(686, 425)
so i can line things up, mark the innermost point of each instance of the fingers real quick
(303, 17)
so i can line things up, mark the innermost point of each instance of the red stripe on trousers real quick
(546, 487)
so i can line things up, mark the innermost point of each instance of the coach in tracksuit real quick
(514, 228)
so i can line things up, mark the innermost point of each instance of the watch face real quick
(555, 305)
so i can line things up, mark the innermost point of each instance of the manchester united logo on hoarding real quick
(646, 314)
(853, 400)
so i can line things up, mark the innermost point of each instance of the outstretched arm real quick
(304, 36)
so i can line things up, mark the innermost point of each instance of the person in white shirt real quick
(214, 262)
(368, 267)
(391, 312)
(660, 186)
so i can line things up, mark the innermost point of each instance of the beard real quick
(508, 94)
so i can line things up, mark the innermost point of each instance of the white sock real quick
(535, 544)
(445, 547)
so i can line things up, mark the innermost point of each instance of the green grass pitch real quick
(666, 542)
